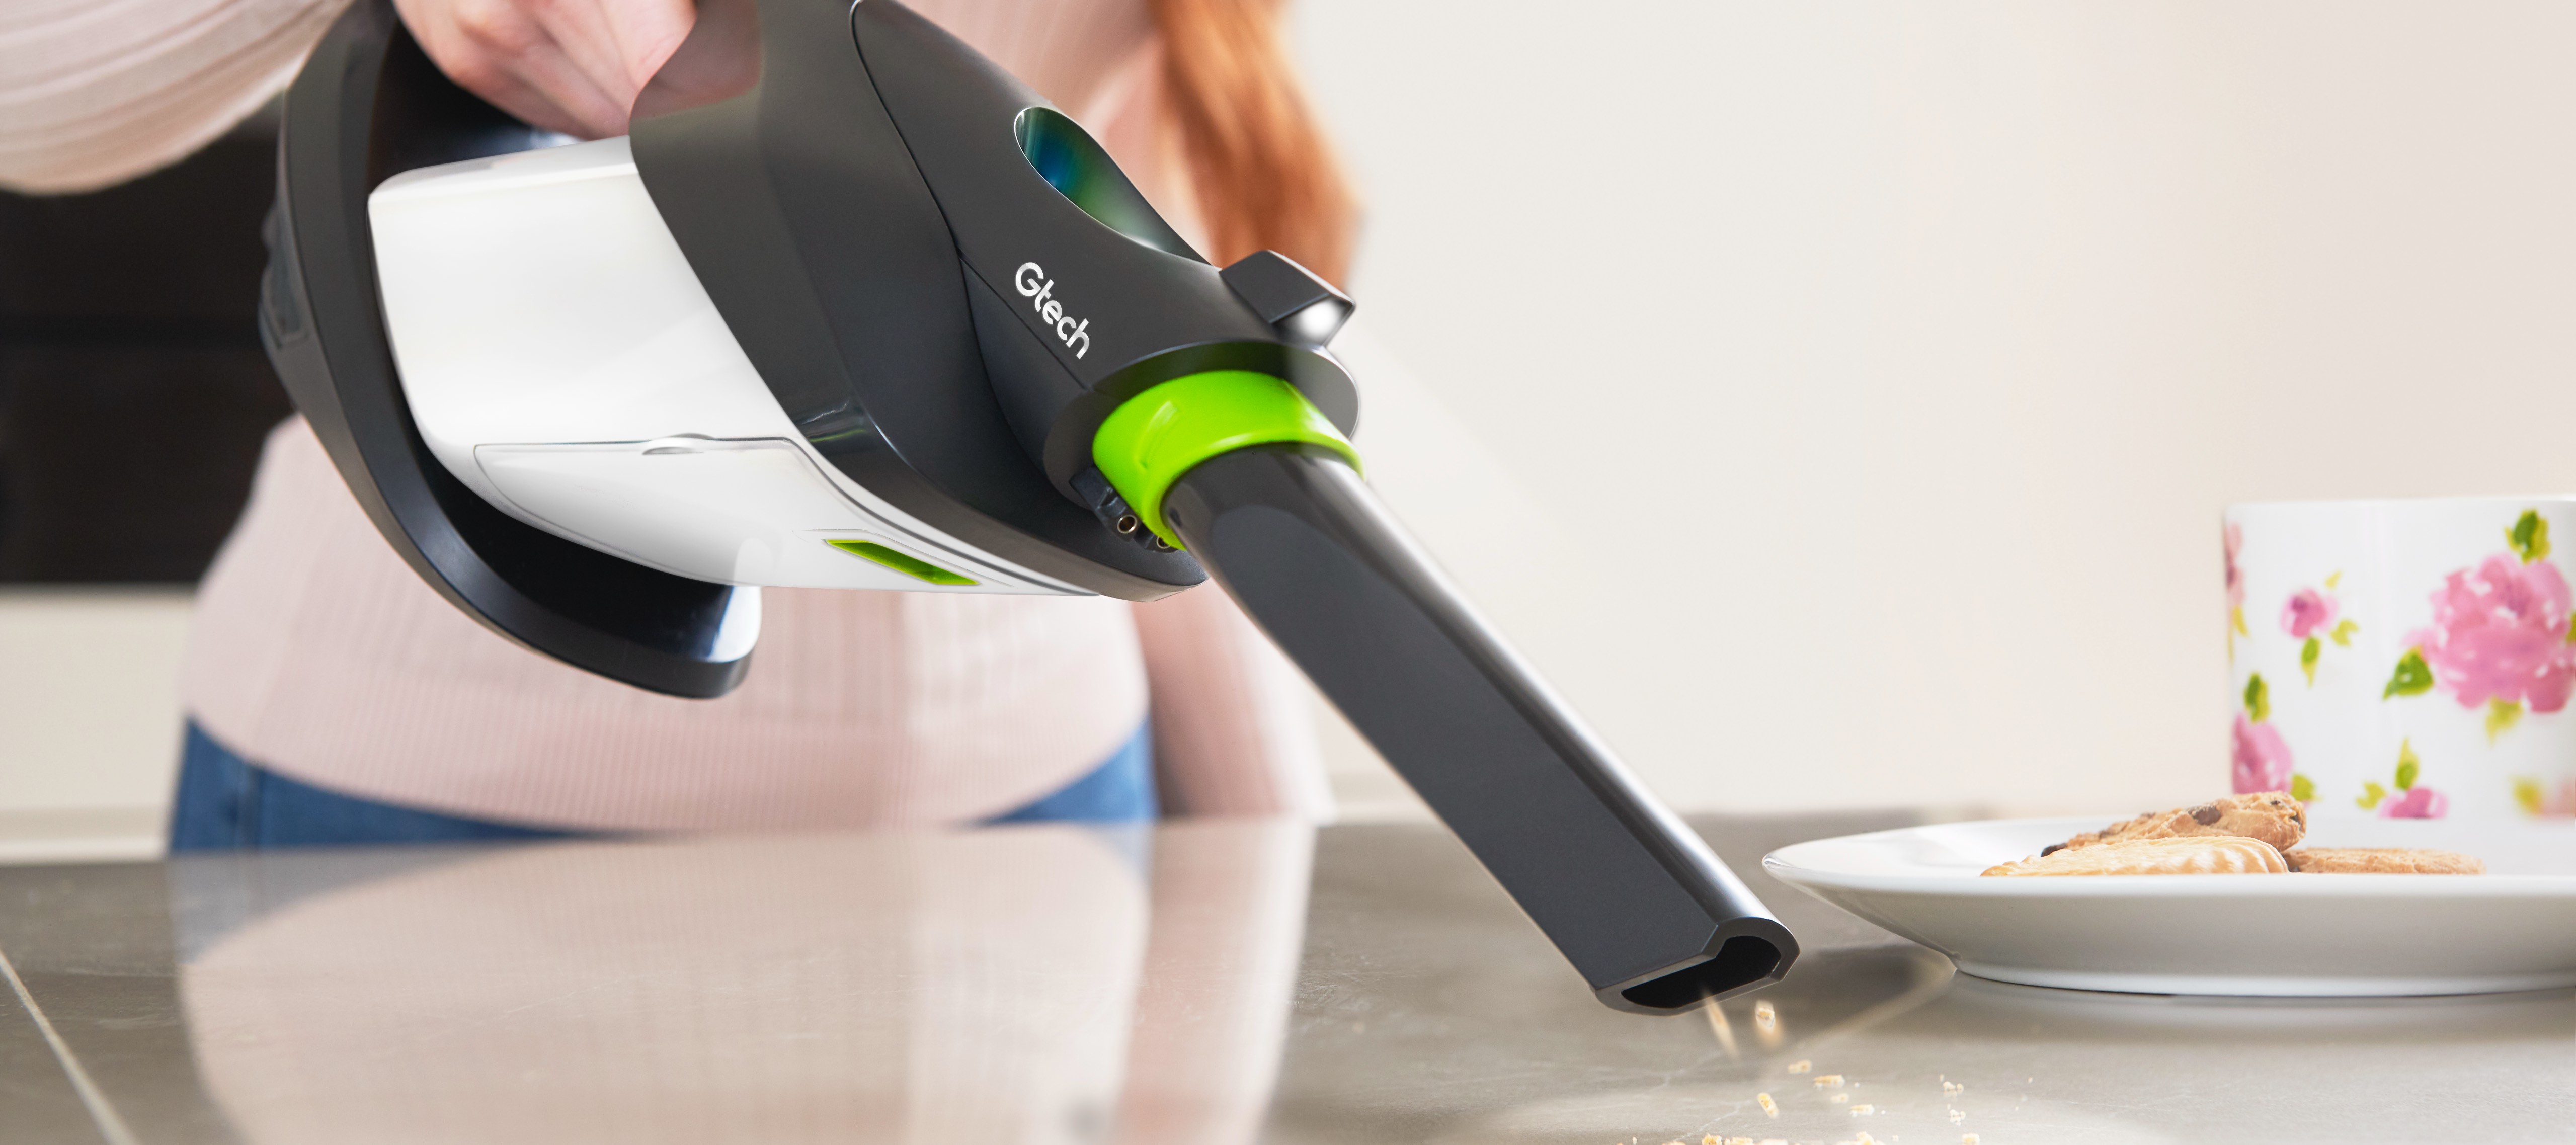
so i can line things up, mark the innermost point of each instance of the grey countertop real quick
(1203, 983)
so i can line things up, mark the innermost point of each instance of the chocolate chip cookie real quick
(2270, 816)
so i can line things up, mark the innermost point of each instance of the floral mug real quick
(2403, 659)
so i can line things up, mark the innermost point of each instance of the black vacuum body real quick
(967, 312)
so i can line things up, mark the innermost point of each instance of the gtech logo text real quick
(1039, 290)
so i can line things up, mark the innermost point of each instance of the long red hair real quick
(1266, 178)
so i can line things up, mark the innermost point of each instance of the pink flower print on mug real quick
(2308, 613)
(2411, 801)
(2500, 634)
(2234, 537)
(2311, 616)
(2439, 626)
(2536, 799)
(2262, 758)
(2417, 803)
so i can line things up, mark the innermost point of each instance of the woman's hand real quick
(572, 66)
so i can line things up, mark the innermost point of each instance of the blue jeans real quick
(226, 802)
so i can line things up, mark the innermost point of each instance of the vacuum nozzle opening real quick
(1743, 961)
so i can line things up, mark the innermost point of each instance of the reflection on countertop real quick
(1210, 982)
(1027, 984)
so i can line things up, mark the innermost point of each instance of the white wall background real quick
(1864, 380)
(89, 719)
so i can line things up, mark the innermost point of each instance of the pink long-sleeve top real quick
(319, 654)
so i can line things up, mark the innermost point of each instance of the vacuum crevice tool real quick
(1631, 896)
(854, 308)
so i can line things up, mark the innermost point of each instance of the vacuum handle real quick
(1635, 900)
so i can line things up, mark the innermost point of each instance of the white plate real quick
(2298, 935)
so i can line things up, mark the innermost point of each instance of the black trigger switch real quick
(1303, 308)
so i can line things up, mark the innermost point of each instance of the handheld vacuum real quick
(852, 307)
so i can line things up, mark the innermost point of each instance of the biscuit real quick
(2381, 861)
(2270, 816)
(2183, 855)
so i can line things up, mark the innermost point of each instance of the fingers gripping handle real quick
(1634, 899)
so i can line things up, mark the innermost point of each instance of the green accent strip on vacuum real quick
(1149, 442)
(899, 562)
